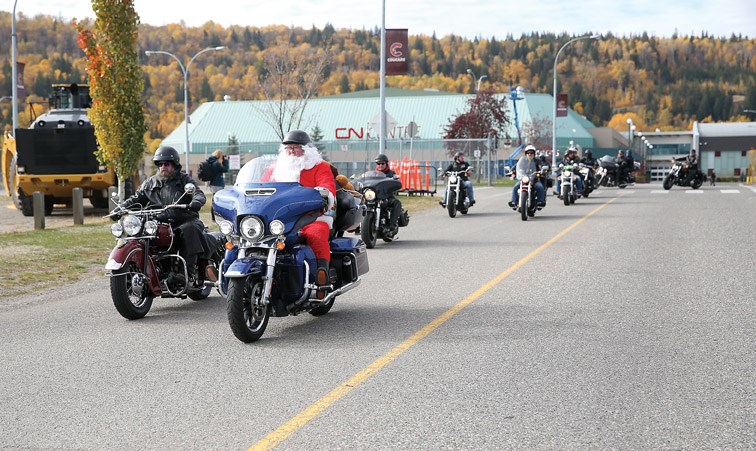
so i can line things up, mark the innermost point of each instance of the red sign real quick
(397, 52)
(561, 105)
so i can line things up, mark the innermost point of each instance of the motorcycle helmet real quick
(457, 155)
(530, 148)
(381, 158)
(588, 153)
(167, 153)
(297, 137)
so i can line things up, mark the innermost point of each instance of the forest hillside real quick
(663, 83)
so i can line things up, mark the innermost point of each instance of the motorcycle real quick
(527, 203)
(678, 175)
(589, 178)
(377, 191)
(456, 193)
(568, 187)
(606, 174)
(145, 262)
(268, 269)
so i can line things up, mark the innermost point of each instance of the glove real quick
(328, 198)
(195, 205)
(115, 214)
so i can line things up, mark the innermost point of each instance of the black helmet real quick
(588, 153)
(167, 153)
(458, 154)
(297, 137)
(381, 158)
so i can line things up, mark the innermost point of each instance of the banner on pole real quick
(561, 105)
(21, 93)
(397, 52)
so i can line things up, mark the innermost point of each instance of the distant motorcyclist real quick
(570, 158)
(588, 159)
(165, 188)
(622, 169)
(395, 206)
(528, 165)
(459, 164)
(692, 161)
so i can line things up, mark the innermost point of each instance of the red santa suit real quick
(316, 233)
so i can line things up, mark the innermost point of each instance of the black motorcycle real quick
(678, 175)
(606, 175)
(377, 191)
(456, 192)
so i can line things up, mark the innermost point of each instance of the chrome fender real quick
(244, 267)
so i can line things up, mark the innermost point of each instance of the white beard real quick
(288, 167)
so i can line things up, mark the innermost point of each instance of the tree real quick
(292, 77)
(537, 131)
(115, 83)
(317, 136)
(486, 116)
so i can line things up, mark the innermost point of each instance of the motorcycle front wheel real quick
(566, 195)
(523, 207)
(367, 230)
(130, 293)
(247, 318)
(669, 180)
(451, 204)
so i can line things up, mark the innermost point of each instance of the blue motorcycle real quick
(268, 269)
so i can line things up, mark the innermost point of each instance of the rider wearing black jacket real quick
(394, 205)
(165, 188)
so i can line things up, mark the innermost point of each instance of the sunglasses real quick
(380, 164)
(163, 163)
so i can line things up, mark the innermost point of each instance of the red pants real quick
(316, 236)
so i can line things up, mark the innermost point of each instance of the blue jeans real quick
(468, 187)
(578, 183)
(540, 193)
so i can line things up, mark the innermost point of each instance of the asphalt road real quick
(625, 321)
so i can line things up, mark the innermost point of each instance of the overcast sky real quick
(468, 18)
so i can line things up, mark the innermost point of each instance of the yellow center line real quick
(302, 418)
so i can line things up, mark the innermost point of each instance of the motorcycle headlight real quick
(526, 180)
(567, 173)
(369, 194)
(150, 227)
(276, 227)
(452, 179)
(226, 227)
(251, 228)
(131, 225)
(116, 229)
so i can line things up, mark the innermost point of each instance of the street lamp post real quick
(553, 129)
(469, 71)
(185, 70)
(14, 70)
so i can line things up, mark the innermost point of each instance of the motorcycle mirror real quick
(114, 196)
(189, 188)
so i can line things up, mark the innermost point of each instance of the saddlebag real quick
(349, 258)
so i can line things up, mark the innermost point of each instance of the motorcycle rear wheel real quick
(368, 231)
(130, 305)
(696, 183)
(247, 320)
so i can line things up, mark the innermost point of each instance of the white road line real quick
(729, 191)
(659, 191)
(693, 191)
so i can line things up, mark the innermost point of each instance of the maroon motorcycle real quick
(145, 263)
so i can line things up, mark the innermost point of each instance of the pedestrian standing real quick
(219, 165)
(713, 178)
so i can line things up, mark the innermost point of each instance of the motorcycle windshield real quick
(383, 186)
(255, 194)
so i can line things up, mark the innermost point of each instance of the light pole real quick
(469, 71)
(554, 128)
(185, 70)
(14, 70)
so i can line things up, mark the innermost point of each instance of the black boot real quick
(191, 271)
(322, 278)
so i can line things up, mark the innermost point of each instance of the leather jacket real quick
(155, 192)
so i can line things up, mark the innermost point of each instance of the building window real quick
(737, 171)
(718, 153)
(743, 153)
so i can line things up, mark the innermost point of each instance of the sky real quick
(467, 18)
